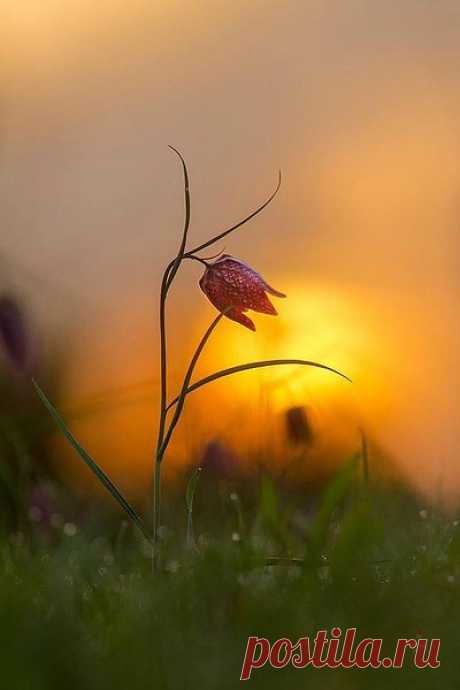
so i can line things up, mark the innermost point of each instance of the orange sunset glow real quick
(363, 236)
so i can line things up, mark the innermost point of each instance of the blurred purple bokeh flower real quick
(42, 504)
(220, 461)
(13, 333)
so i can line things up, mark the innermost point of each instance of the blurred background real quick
(358, 104)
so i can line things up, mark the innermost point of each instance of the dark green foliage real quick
(88, 613)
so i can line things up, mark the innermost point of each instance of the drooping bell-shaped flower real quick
(231, 284)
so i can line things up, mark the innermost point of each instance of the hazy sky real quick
(356, 101)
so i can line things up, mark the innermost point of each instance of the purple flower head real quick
(13, 335)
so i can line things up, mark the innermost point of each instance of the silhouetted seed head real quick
(220, 461)
(229, 282)
(13, 335)
(298, 427)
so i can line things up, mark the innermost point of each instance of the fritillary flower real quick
(231, 284)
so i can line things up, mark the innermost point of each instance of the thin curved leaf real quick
(180, 254)
(215, 239)
(100, 474)
(256, 365)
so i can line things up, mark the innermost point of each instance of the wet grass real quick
(81, 608)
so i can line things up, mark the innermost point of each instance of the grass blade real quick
(364, 456)
(255, 365)
(100, 474)
(189, 496)
(191, 488)
(333, 496)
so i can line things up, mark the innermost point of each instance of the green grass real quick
(85, 611)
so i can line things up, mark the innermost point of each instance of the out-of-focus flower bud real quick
(220, 461)
(230, 283)
(42, 504)
(298, 426)
(13, 333)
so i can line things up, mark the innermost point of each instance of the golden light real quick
(325, 324)
(247, 410)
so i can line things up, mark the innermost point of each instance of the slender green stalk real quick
(165, 438)
(162, 422)
(189, 497)
(364, 456)
(163, 357)
(185, 385)
(166, 282)
(156, 512)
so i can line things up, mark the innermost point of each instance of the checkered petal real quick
(229, 282)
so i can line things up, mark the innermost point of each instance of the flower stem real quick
(166, 282)
(186, 383)
(163, 413)
(156, 513)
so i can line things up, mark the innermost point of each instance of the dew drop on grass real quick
(35, 514)
(56, 520)
(172, 566)
(70, 529)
